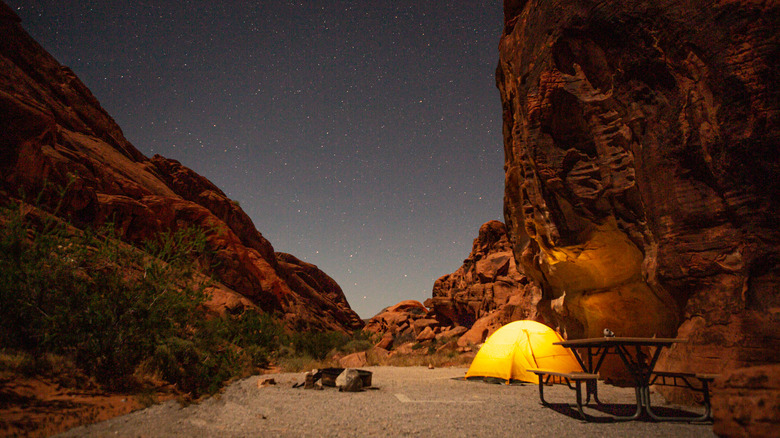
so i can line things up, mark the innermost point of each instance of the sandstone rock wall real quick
(642, 170)
(746, 402)
(486, 281)
(487, 291)
(53, 130)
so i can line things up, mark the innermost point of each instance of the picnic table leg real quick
(706, 416)
(639, 408)
(707, 408)
(578, 385)
(541, 389)
(578, 388)
(640, 380)
(591, 388)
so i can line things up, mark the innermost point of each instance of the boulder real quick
(746, 402)
(455, 332)
(490, 268)
(354, 360)
(405, 349)
(483, 328)
(386, 342)
(451, 345)
(423, 324)
(426, 335)
(351, 382)
(378, 353)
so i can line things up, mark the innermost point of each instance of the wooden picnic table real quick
(590, 354)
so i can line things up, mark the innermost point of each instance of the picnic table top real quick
(618, 340)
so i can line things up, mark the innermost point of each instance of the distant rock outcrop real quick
(53, 130)
(469, 304)
(642, 170)
(487, 291)
(398, 320)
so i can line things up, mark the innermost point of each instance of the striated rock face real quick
(316, 293)
(52, 129)
(400, 319)
(746, 402)
(488, 286)
(642, 170)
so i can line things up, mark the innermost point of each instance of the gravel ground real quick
(406, 401)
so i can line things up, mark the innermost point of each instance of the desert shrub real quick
(112, 308)
(365, 335)
(297, 363)
(355, 345)
(317, 344)
(360, 340)
(88, 295)
(231, 346)
(174, 359)
(404, 337)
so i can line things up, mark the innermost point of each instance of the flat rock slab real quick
(409, 401)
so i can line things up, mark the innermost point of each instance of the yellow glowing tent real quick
(518, 346)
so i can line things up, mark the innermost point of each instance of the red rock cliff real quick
(642, 170)
(53, 129)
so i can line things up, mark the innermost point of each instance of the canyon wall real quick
(54, 134)
(642, 170)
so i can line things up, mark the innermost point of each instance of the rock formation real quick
(408, 323)
(469, 304)
(746, 402)
(398, 320)
(642, 170)
(487, 291)
(53, 130)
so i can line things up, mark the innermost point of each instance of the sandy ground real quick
(404, 401)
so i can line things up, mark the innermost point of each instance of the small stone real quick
(265, 382)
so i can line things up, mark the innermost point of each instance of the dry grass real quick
(436, 359)
(57, 368)
(296, 364)
(419, 356)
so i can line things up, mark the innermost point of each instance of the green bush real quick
(404, 337)
(317, 344)
(117, 312)
(355, 346)
(111, 307)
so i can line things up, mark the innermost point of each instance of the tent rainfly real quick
(518, 346)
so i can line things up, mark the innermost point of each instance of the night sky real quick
(361, 136)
